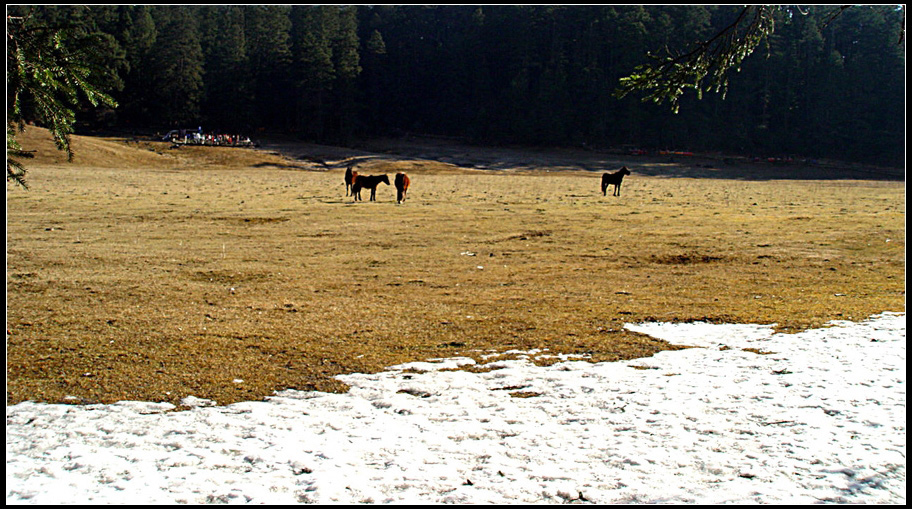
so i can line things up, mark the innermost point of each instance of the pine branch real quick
(48, 71)
(713, 58)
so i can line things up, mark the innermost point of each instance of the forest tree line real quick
(535, 75)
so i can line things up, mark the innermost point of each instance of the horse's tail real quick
(402, 185)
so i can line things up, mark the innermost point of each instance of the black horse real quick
(614, 179)
(349, 178)
(369, 181)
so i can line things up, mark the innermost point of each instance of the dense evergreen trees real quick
(508, 74)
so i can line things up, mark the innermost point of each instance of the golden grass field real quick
(137, 272)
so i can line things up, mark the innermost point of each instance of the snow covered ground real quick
(816, 416)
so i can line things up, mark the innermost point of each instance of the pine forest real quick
(820, 86)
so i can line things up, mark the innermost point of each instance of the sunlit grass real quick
(227, 274)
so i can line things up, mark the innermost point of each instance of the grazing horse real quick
(369, 181)
(614, 179)
(402, 185)
(349, 179)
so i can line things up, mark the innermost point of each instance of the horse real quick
(614, 179)
(349, 178)
(369, 181)
(402, 185)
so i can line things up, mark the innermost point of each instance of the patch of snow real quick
(818, 416)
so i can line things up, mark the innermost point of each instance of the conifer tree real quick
(49, 72)
(228, 85)
(313, 29)
(347, 68)
(177, 68)
(268, 39)
(137, 34)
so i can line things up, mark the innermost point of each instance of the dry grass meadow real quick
(137, 272)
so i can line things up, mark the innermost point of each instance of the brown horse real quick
(614, 179)
(402, 185)
(369, 181)
(349, 179)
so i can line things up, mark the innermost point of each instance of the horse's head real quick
(385, 179)
(624, 171)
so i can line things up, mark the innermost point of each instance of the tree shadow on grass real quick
(556, 160)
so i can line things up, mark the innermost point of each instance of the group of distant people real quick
(198, 137)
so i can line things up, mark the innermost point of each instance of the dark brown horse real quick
(370, 182)
(349, 178)
(402, 185)
(614, 179)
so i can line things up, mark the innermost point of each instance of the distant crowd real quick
(197, 137)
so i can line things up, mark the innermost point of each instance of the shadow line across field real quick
(558, 160)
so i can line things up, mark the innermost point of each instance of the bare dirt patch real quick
(153, 274)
